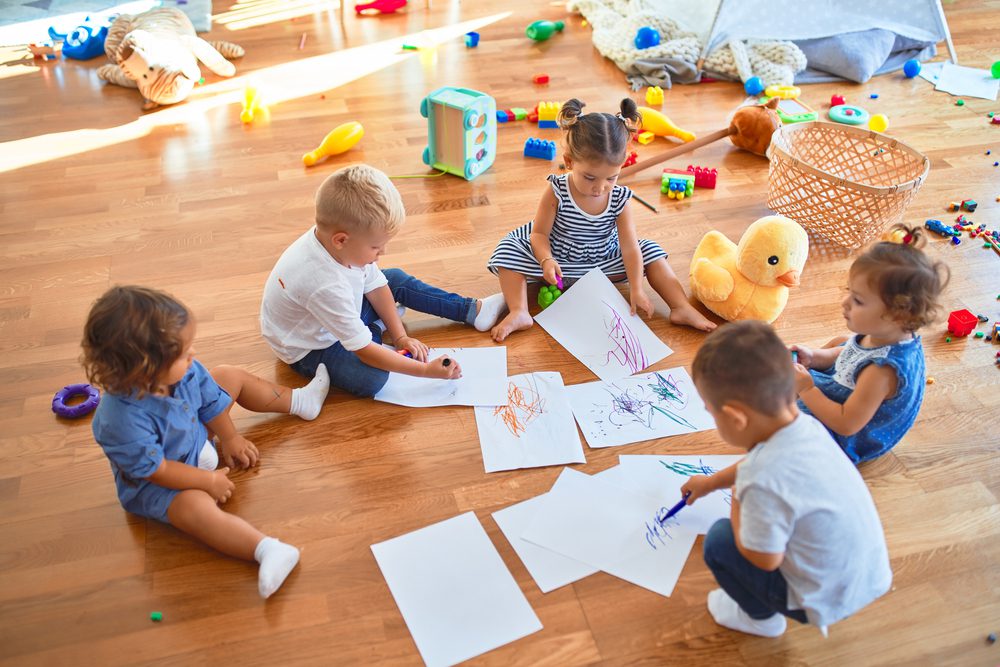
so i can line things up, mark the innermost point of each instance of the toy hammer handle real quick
(674, 152)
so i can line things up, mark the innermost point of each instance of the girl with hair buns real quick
(583, 221)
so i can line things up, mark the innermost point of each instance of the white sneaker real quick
(729, 614)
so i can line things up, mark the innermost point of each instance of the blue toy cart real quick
(461, 131)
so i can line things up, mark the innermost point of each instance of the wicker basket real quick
(844, 183)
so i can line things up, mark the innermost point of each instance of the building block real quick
(547, 114)
(501, 116)
(646, 137)
(471, 40)
(461, 131)
(519, 113)
(540, 148)
(962, 322)
(547, 294)
(532, 116)
(676, 184)
(703, 176)
(654, 95)
(630, 160)
(540, 78)
(969, 205)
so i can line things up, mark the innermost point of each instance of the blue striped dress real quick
(579, 241)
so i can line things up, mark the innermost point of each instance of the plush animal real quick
(750, 281)
(158, 51)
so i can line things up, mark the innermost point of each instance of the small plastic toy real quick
(939, 227)
(630, 160)
(547, 113)
(873, 96)
(647, 37)
(156, 616)
(911, 68)
(84, 43)
(461, 129)
(783, 92)
(654, 95)
(342, 138)
(547, 294)
(848, 115)
(540, 148)
(969, 205)
(381, 6)
(252, 105)
(791, 110)
(676, 184)
(471, 40)
(89, 404)
(46, 51)
(501, 116)
(837, 100)
(645, 138)
(961, 322)
(519, 113)
(995, 70)
(657, 123)
(703, 176)
(542, 30)
(878, 122)
(540, 78)
(753, 86)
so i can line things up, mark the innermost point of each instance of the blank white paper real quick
(643, 407)
(549, 569)
(483, 381)
(591, 320)
(533, 428)
(456, 595)
(611, 528)
(967, 82)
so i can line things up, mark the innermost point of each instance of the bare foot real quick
(689, 316)
(515, 321)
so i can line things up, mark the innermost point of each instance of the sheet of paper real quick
(591, 320)
(549, 569)
(644, 407)
(662, 476)
(967, 82)
(483, 381)
(456, 595)
(533, 428)
(612, 528)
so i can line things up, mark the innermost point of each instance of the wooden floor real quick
(189, 201)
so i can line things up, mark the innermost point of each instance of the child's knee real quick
(224, 376)
(719, 540)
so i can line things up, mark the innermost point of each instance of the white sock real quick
(493, 306)
(728, 613)
(208, 457)
(307, 401)
(276, 560)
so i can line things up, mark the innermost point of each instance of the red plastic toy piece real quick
(837, 100)
(631, 159)
(962, 322)
(703, 176)
(383, 6)
(533, 116)
(540, 78)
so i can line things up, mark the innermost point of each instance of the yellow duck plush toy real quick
(750, 281)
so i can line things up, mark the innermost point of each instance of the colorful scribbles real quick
(626, 348)
(689, 470)
(524, 405)
(657, 530)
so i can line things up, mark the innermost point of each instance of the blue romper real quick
(579, 241)
(137, 434)
(896, 414)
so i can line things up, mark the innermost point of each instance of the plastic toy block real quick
(969, 205)
(519, 113)
(547, 294)
(501, 116)
(676, 184)
(646, 137)
(471, 39)
(703, 176)
(548, 111)
(540, 148)
(548, 124)
(654, 95)
(540, 78)
(156, 616)
(630, 160)
(532, 116)
(954, 206)
(961, 322)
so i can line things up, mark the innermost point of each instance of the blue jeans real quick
(759, 593)
(351, 374)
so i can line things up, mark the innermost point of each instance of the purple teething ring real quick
(74, 411)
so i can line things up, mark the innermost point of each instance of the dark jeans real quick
(759, 593)
(351, 374)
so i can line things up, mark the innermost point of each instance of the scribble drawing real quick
(626, 407)
(657, 530)
(689, 470)
(626, 348)
(523, 406)
(667, 398)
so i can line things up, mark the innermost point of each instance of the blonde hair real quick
(359, 198)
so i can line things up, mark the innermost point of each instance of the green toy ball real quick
(547, 294)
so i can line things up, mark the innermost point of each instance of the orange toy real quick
(341, 139)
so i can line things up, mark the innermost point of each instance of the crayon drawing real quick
(592, 321)
(643, 407)
(533, 428)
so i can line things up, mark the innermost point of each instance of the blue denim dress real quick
(896, 414)
(137, 434)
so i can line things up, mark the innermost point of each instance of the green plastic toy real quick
(547, 294)
(542, 30)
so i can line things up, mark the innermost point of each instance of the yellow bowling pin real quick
(342, 138)
(657, 123)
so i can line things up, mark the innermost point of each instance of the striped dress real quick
(579, 241)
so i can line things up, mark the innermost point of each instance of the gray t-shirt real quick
(799, 494)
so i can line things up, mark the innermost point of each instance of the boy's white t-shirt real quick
(800, 494)
(312, 301)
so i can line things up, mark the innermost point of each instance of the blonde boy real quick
(804, 539)
(327, 302)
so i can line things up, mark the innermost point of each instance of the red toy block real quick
(540, 78)
(961, 322)
(837, 100)
(703, 176)
(630, 160)
(532, 117)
